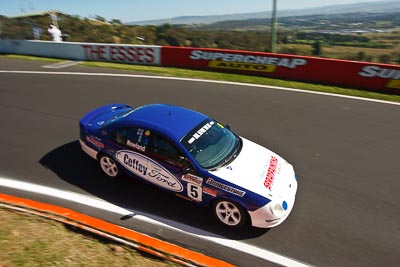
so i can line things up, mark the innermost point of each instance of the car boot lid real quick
(98, 117)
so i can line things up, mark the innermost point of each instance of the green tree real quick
(361, 56)
(116, 21)
(398, 59)
(385, 58)
(316, 48)
(100, 18)
(289, 50)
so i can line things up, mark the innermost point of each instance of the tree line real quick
(98, 30)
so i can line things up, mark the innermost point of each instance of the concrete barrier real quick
(118, 53)
(383, 78)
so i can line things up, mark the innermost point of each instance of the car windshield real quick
(211, 144)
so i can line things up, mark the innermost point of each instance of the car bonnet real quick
(259, 170)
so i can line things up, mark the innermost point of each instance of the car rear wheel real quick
(230, 213)
(109, 166)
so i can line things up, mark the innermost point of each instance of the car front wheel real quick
(109, 166)
(230, 213)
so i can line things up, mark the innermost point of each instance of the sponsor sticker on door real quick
(149, 170)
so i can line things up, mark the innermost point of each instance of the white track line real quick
(103, 205)
(60, 65)
(199, 80)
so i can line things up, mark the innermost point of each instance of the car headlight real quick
(279, 209)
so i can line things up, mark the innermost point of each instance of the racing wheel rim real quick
(229, 213)
(109, 167)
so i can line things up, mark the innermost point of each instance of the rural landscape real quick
(367, 33)
(329, 118)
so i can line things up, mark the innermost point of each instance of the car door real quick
(151, 156)
(170, 157)
(129, 147)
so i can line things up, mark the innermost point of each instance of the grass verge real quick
(30, 240)
(207, 75)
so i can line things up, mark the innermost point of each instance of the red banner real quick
(371, 76)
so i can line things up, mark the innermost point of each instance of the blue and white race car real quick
(194, 157)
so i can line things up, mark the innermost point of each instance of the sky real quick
(139, 10)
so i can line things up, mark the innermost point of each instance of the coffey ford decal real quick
(246, 62)
(149, 170)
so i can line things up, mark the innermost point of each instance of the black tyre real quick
(230, 213)
(109, 166)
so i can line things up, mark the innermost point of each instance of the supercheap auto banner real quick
(377, 77)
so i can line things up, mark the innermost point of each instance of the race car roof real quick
(177, 121)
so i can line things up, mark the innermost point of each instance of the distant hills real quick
(362, 7)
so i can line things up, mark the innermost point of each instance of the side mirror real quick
(186, 170)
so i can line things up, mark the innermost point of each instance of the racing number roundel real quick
(194, 192)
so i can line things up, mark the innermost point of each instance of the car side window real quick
(133, 137)
(163, 149)
(119, 136)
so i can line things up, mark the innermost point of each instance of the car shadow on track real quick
(71, 164)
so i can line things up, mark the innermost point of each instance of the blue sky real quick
(137, 10)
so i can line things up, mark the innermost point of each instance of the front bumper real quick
(264, 216)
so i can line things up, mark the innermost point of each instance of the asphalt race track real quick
(345, 151)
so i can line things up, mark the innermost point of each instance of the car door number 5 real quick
(194, 192)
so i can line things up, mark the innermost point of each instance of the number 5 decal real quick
(194, 192)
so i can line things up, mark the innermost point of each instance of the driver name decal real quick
(149, 170)
(136, 146)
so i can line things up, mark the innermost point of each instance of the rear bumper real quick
(88, 150)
